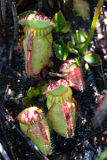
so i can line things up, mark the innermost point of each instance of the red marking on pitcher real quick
(29, 53)
(44, 134)
(68, 119)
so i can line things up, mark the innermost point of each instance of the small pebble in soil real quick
(88, 155)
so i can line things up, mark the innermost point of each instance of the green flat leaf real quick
(103, 155)
(77, 61)
(69, 44)
(92, 59)
(60, 21)
(27, 101)
(33, 92)
(81, 36)
(79, 46)
(66, 28)
(73, 36)
(61, 51)
(71, 48)
(43, 86)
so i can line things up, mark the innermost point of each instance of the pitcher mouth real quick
(33, 19)
(38, 32)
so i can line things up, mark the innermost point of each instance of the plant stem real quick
(95, 18)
